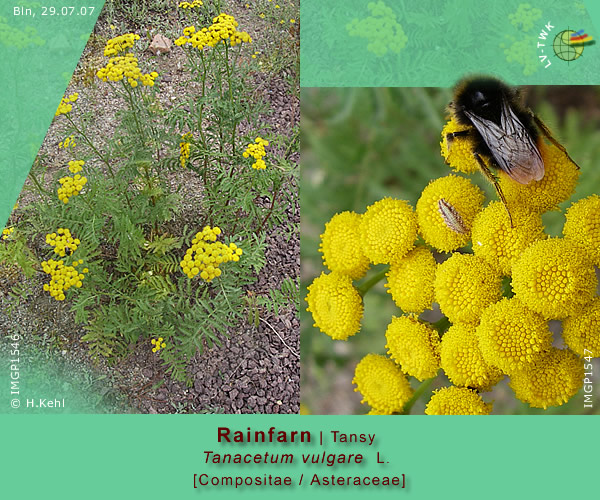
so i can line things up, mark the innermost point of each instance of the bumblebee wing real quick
(511, 145)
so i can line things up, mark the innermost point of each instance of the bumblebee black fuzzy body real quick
(505, 135)
(502, 130)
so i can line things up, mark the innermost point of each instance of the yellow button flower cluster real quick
(551, 380)
(190, 5)
(462, 360)
(158, 344)
(383, 385)
(71, 186)
(554, 278)
(341, 246)
(457, 401)
(63, 242)
(63, 277)
(184, 149)
(76, 166)
(410, 280)
(126, 67)
(583, 225)
(335, 305)
(224, 27)
(388, 230)
(6, 232)
(511, 336)
(69, 142)
(206, 255)
(66, 105)
(502, 280)
(414, 346)
(448, 226)
(257, 151)
(120, 44)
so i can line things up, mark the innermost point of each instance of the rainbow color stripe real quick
(579, 38)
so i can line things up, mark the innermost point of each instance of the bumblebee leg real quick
(546, 131)
(494, 180)
(450, 137)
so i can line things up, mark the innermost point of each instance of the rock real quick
(160, 45)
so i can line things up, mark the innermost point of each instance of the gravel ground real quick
(256, 369)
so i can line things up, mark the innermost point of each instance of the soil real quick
(256, 369)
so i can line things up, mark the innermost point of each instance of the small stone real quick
(160, 45)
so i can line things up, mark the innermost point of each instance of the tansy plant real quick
(120, 250)
(497, 285)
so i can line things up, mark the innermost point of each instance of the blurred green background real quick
(362, 144)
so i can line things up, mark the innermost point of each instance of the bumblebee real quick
(505, 134)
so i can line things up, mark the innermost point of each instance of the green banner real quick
(252, 456)
(433, 43)
(40, 46)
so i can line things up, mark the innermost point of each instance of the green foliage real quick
(135, 11)
(14, 251)
(280, 54)
(280, 298)
(132, 220)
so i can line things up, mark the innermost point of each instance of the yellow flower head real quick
(76, 166)
(206, 255)
(383, 386)
(158, 344)
(335, 305)
(462, 361)
(6, 232)
(551, 380)
(70, 186)
(69, 142)
(126, 68)
(414, 346)
(500, 244)
(457, 401)
(555, 278)
(465, 285)
(511, 336)
(257, 151)
(224, 28)
(459, 152)
(583, 225)
(66, 104)
(446, 210)
(581, 332)
(184, 149)
(558, 183)
(341, 247)
(410, 280)
(62, 277)
(190, 5)
(388, 230)
(63, 242)
(375, 411)
(120, 44)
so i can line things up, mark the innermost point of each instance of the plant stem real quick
(292, 142)
(95, 150)
(275, 194)
(38, 185)
(230, 99)
(134, 110)
(367, 285)
(418, 393)
(441, 325)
